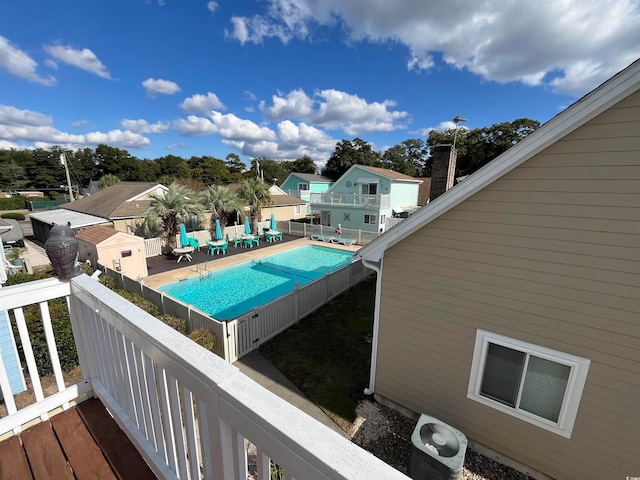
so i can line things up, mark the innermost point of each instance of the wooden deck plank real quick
(13, 462)
(123, 457)
(44, 453)
(101, 425)
(80, 448)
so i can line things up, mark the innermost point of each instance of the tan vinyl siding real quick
(548, 254)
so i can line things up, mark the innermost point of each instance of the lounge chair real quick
(343, 241)
(320, 238)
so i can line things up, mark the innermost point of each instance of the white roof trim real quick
(368, 180)
(597, 101)
(156, 186)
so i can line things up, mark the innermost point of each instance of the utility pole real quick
(63, 161)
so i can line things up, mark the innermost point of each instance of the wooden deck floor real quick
(83, 442)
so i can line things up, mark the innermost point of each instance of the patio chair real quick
(237, 241)
(194, 243)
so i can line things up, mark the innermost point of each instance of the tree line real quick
(41, 168)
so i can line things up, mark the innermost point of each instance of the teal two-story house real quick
(302, 185)
(364, 197)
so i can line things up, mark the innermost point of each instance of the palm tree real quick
(108, 180)
(221, 202)
(172, 208)
(255, 194)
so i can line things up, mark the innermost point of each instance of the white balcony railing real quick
(188, 412)
(319, 200)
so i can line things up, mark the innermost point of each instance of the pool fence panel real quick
(199, 319)
(154, 297)
(131, 285)
(175, 308)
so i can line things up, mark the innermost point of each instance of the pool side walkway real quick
(255, 365)
(261, 370)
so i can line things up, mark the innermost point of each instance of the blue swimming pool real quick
(234, 291)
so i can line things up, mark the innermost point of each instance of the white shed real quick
(117, 250)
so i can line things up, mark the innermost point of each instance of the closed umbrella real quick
(272, 224)
(247, 225)
(184, 240)
(218, 230)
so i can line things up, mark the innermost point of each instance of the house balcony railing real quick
(189, 413)
(350, 200)
(302, 194)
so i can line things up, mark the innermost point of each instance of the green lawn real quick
(327, 355)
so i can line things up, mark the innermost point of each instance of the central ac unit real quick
(437, 451)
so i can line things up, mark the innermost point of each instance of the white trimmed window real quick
(536, 384)
(297, 210)
(370, 219)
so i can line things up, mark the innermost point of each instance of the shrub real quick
(13, 215)
(203, 337)
(140, 302)
(62, 331)
(108, 282)
(13, 203)
(178, 324)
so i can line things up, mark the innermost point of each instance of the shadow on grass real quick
(327, 355)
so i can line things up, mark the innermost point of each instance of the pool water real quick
(230, 292)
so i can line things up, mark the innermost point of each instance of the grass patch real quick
(327, 355)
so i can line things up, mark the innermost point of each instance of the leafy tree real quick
(173, 166)
(209, 170)
(349, 153)
(149, 171)
(108, 180)
(83, 166)
(407, 157)
(269, 169)
(234, 164)
(117, 162)
(255, 194)
(172, 208)
(221, 202)
(301, 165)
(478, 147)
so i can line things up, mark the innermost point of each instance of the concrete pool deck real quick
(217, 262)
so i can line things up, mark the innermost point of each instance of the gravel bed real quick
(387, 434)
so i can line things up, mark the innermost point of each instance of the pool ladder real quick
(206, 273)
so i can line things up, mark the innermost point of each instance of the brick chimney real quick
(443, 168)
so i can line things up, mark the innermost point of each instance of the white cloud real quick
(14, 116)
(79, 123)
(336, 110)
(212, 6)
(142, 126)
(33, 127)
(176, 146)
(571, 46)
(21, 65)
(202, 104)
(155, 86)
(4, 145)
(83, 59)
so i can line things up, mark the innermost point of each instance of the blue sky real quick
(287, 78)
